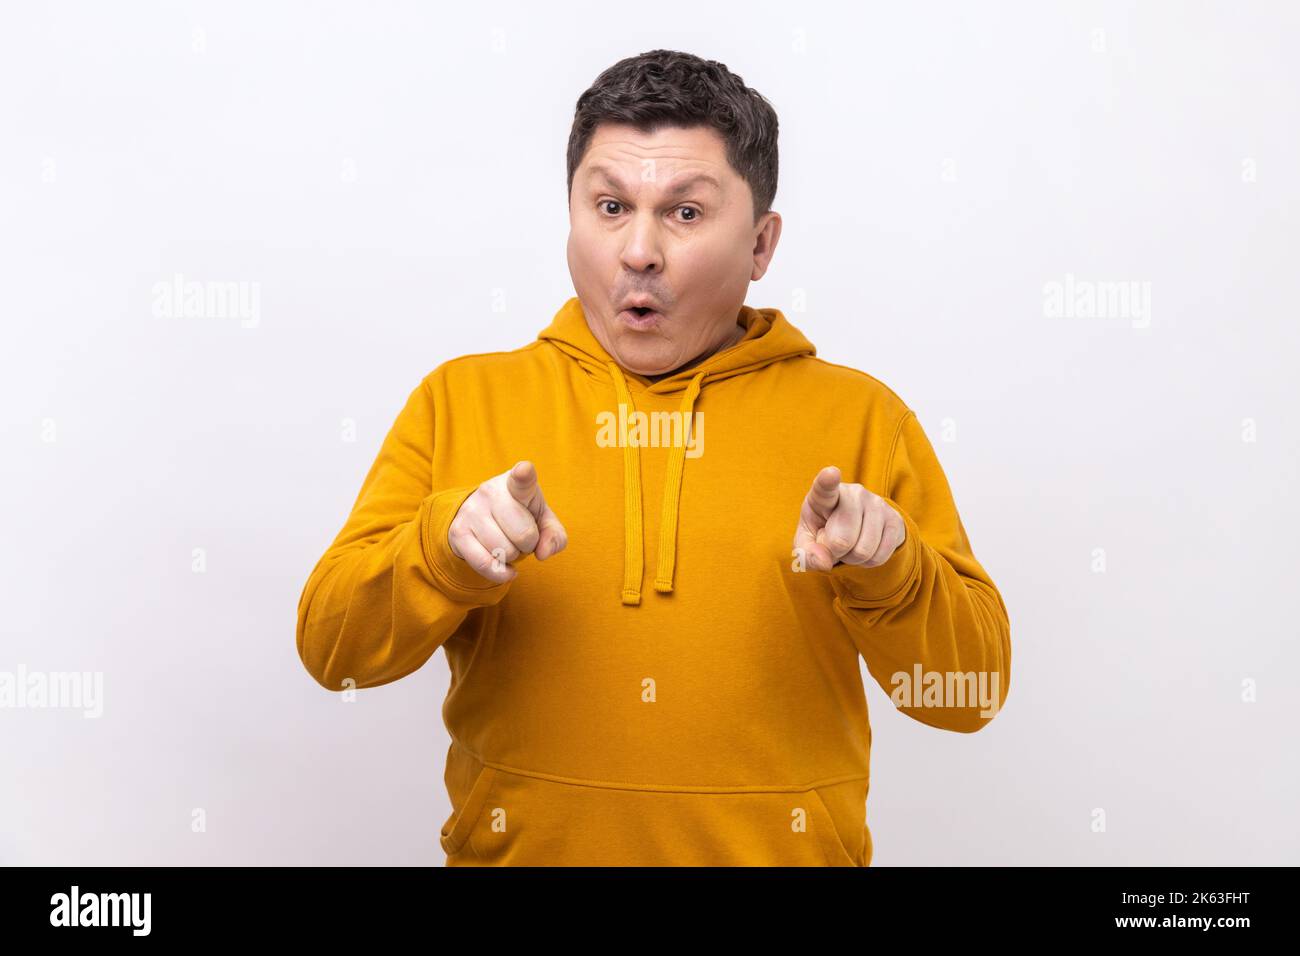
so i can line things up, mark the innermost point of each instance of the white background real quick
(392, 178)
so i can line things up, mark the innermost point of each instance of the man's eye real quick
(606, 203)
(695, 213)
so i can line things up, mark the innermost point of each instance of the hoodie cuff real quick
(884, 585)
(454, 576)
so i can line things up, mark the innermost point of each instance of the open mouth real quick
(641, 317)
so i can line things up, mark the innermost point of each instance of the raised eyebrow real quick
(685, 185)
(681, 186)
(600, 172)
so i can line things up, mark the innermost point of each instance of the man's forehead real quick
(676, 174)
(623, 153)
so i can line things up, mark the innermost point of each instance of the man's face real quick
(662, 220)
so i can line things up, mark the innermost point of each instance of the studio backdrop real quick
(1063, 233)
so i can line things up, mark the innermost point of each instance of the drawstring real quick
(632, 517)
(673, 491)
(631, 502)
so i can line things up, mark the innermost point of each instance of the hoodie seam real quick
(665, 788)
(893, 449)
(858, 371)
(887, 494)
(472, 355)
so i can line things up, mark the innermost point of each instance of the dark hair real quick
(669, 88)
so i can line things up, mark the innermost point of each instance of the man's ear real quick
(766, 235)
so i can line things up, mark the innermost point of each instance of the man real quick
(719, 718)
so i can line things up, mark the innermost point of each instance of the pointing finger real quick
(516, 521)
(824, 494)
(844, 526)
(819, 505)
(522, 485)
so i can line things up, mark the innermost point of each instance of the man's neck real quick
(737, 334)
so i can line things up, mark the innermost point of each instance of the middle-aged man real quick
(719, 716)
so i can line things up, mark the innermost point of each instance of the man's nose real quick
(642, 249)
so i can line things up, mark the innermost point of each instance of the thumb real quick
(523, 486)
(521, 482)
(824, 494)
(818, 506)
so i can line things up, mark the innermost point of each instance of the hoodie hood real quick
(769, 338)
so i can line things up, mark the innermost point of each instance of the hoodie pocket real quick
(837, 854)
(457, 828)
(517, 819)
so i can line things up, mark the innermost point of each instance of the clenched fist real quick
(504, 518)
(846, 522)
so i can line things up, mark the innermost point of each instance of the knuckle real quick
(501, 544)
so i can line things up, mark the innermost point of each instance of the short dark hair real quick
(669, 88)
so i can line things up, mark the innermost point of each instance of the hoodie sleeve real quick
(389, 590)
(931, 605)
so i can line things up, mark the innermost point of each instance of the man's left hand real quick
(844, 522)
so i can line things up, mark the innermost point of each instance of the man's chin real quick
(640, 363)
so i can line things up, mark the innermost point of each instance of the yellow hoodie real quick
(718, 718)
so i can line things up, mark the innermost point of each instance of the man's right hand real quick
(504, 518)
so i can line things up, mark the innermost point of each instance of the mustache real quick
(659, 299)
